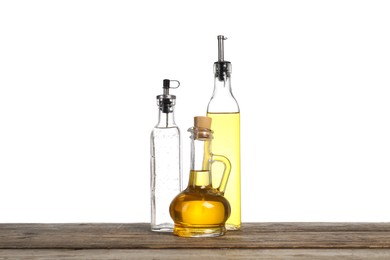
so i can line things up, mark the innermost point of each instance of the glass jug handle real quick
(226, 173)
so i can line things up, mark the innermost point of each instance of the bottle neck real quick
(200, 155)
(222, 86)
(200, 179)
(200, 159)
(222, 72)
(222, 100)
(166, 119)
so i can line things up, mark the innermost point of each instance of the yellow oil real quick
(226, 127)
(199, 210)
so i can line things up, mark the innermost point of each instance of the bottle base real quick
(165, 227)
(232, 227)
(199, 231)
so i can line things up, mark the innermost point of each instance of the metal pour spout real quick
(222, 68)
(221, 38)
(166, 101)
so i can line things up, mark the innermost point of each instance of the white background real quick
(78, 81)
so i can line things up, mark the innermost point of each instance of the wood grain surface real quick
(136, 241)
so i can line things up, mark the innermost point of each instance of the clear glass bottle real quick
(225, 112)
(166, 178)
(201, 210)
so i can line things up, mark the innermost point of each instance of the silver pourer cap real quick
(166, 102)
(222, 68)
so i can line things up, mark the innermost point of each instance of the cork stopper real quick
(202, 122)
(202, 128)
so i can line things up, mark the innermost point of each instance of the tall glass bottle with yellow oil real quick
(225, 113)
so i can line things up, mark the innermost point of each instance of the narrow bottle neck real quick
(166, 119)
(222, 100)
(200, 175)
(222, 72)
(200, 179)
(200, 155)
(222, 86)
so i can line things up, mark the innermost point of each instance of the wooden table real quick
(254, 241)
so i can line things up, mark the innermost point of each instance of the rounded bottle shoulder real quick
(207, 199)
(158, 128)
(199, 209)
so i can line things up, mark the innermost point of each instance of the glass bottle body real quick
(225, 113)
(165, 170)
(201, 210)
